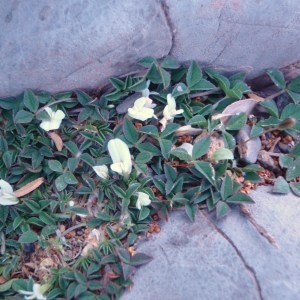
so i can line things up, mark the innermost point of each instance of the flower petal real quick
(143, 200)
(5, 187)
(101, 171)
(8, 199)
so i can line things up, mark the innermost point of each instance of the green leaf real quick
(170, 128)
(229, 140)
(17, 222)
(291, 111)
(133, 187)
(3, 144)
(202, 85)
(170, 173)
(222, 209)
(143, 158)
(240, 198)
(281, 186)
(7, 158)
(6, 285)
(55, 166)
(114, 96)
(296, 150)
(237, 91)
(294, 85)
(150, 129)
(165, 76)
(83, 98)
(294, 96)
(8, 103)
(130, 131)
(154, 74)
(222, 81)
(180, 89)
(237, 121)
(124, 255)
(293, 171)
(119, 191)
(222, 153)
(252, 176)
(30, 101)
(85, 114)
(181, 154)
(206, 170)
(69, 178)
(201, 147)
(46, 218)
(166, 146)
(190, 210)
(23, 117)
(147, 62)
(256, 131)
(28, 237)
(277, 77)
(226, 187)
(117, 83)
(194, 74)
(271, 107)
(140, 259)
(198, 120)
(144, 213)
(170, 63)
(295, 187)
(60, 183)
(148, 147)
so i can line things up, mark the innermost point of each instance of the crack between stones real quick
(165, 9)
(239, 254)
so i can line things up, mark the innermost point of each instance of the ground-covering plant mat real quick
(83, 176)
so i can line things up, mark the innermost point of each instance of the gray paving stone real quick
(236, 35)
(226, 259)
(61, 45)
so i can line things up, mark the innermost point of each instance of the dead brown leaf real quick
(59, 144)
(29, 187)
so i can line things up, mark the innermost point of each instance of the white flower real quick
(120, 155)
(170, 111)
(54, 121)
(146, 92)
(37, 292)
(143, 200)
(187, 147)
(142, 109)
(101, 171)
(7, 196)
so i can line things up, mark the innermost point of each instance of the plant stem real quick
(73, 228)
(205, 93)
(55, 102)
(274, 95)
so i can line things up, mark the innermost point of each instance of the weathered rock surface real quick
(226, 259)
(61, 45)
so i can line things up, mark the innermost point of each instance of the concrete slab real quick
(226, 259)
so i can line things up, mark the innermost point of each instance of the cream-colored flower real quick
(37, 292)
(187, 147)
(101, 171)
(143, 200)
(142, 109)
(120, 155)
(170, 111)
(7, 196)
(54, 120)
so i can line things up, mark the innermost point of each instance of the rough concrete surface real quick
(226, 259)
(62, 45)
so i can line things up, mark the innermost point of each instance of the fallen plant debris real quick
(84, 177)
